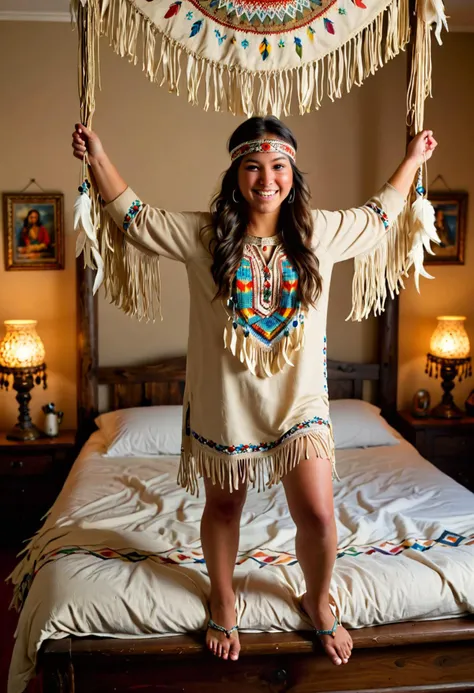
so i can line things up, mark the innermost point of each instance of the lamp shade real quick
(450, 340)
(21, 347)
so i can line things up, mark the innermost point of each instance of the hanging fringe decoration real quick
(87, 204)
(248, 60)
(380, 273)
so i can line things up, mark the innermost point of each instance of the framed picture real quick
(450, 221)
(33, 230)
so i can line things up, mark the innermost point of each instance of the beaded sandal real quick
(331, 632)
(221, 629)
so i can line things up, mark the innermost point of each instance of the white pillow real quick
(142, 431)
(358, 424)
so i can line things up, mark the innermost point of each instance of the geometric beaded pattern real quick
(259, 447)
(263, 557)
(265, 296)
(264, 16)
(380, 212)
(133, 210)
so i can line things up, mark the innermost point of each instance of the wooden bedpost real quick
(87, 352)
(388, 357)
(389, 330)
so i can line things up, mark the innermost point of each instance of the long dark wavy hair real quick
(295, 223)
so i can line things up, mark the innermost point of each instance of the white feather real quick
(427, 244)
(83, 217)
(423, 231)
(423, 219)
(434, 14)
(99, 277)
(80, 242)
(87, 255)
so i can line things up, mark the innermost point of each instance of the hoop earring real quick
(291, 196)
(234, 198)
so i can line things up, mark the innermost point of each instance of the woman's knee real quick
(223, 504)
(319, 518)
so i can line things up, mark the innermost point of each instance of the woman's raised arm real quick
(419, 150)
(108, 179)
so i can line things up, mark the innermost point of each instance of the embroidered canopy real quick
(253, 56)
(256, 57)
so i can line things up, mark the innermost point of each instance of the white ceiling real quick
(459, 12)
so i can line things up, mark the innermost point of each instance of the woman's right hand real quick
(84, 140)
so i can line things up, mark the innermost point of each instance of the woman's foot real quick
(223, 613)
(339, 647)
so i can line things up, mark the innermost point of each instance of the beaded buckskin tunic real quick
(256, 395)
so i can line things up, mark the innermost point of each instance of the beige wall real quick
(451, 115)
(172, 155)
(38, 104)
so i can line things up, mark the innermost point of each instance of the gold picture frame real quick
(33, 230)
(450, 220)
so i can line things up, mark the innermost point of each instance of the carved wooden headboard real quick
(163, 382)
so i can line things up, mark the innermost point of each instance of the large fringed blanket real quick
(254, 57)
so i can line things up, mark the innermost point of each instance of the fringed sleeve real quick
(375, 236)
(133, 237)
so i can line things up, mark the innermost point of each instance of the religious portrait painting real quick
(450, 222)
(33, 231)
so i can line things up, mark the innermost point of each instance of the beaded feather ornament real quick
(423, 231)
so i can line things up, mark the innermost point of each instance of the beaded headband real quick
(262, 146)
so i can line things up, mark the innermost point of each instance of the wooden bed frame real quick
(411, 657)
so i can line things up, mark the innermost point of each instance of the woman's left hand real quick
(421, 147)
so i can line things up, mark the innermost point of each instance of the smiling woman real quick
(263, 194)
(256, 407)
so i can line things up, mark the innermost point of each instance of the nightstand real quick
(31, 475)
(446, 443)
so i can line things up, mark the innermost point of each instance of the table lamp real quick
(449, 357)
(21, 365)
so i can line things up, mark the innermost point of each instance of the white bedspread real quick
(120, 555)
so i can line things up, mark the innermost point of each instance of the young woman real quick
(256, 403)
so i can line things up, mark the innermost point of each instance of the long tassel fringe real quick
(131, 275)
(380, 273)
(259, 469)
(260, 361)
(240, 91)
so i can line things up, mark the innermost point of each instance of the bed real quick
(406, 551)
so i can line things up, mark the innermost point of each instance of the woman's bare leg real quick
(309, 494)
(220, 530)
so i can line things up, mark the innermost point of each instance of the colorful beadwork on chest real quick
(265, 296)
